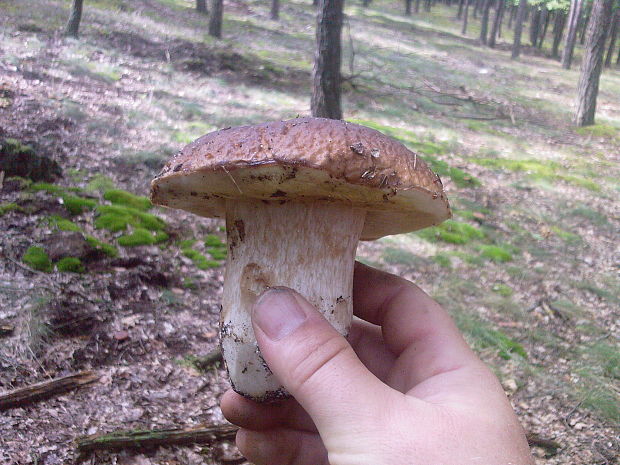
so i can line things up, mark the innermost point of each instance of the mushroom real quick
(297, 197)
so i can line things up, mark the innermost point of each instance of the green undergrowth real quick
(429, 148)
(451, 231)
(599, 130)
(70, 265)
(538, 170)
(9, 207)
(104, 247)
(399, 256)
(116, 218)
(75, 204)
(484, 336)
(141, 236)
(199, 259)
(62, 224)
(213, 245)
(37, 259)
(495, 253)
(127, 199)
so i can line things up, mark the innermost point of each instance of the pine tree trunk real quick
(484, 24)
(558, 29)
(544, 19)
(584, 26)
(326, 74)
(571, 36)
(201, 6)
(215, 20)
(408, 7)
(316, 2)
(499, 11)
(535, 25)
(427, 5)
(511, 18)
(516, 45)
(275, 10)
(476, 8)
(592, 62)
(501, 21)
(613, 37)
(459, 14)
(464, 28)
(73, 25)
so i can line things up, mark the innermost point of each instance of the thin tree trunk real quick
(464, 28)
(325, 101)
(571, 36)
(275, 10)
(477, 8)
(215, 19)
(427, 5)
(513, 13)
(545, 20)
(201, 6)
(613, 36)
(316, 2)
(516, 45)
(584, 25)
(592, 62)
(558, 29)
(499, 11)
(501, 20)
(618, 58)
(535, 25)
(484, 24)
(73, 25)
(459, 14)
(408, 7)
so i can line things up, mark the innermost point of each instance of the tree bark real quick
(571, 36)
(417, 6)
(465, 13)
(476, 8)
(459, 14)
(544, 19)
(513, 13)
(499, 11)
(584, 25)
(215, 20)
(558, 29)
(535, 25)
(613, 36)
(501, 21)
(427, 5)
(73, 25)
(592, 62)
(408, 7)
(275, 10)
(484, 22)
(516, 45)
(326, 90)
(201, 6)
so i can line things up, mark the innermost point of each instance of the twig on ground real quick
(46, 389)
(549, 445)
(204, 434)
(6, 330)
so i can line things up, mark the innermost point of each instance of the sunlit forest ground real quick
(528, 266)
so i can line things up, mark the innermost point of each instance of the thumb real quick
(312, 360)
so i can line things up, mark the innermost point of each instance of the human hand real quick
(403, 388)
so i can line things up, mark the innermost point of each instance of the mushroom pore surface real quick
(309, 247)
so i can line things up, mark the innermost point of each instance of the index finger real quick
(415, 327)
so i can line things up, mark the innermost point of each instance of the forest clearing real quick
(95, 279)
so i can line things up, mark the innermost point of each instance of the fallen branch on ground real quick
(549, 445)
(6, 330)
(142, 439)
(46, 389)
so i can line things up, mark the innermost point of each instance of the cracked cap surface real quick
(306, 160)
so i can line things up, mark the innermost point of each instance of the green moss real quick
(12, 146)
(200, 260)
(599, 130)
(76, 205)
(9, 207)
(139, 236)
(24, 183)
(62, 224)
(213, 240)
(217, 253)
(502, 289)
(37, 259)
(70, 264)
(117, 217)
(100, 183)
(107, 249)
(160, 237)
(454, 232)
(186, 243)
(443, 260)
(127, 199)
(47, 187)
(495, 253)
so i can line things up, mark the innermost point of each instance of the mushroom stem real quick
(309, 247)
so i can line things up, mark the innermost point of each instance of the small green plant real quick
(107, 249)
(9, 207)
(565, 235)
(502, 289)
(213, 240)
(443, 260)
(451, 231)
(37, 259)
(100, 183)
(217, 253)
(495, 253)
(76, 205)
(116, 218)
(200, 260)
(127, 199)
(483, 336)
(62, 224)
(186, 243)
(47, 187)
(599, 130)
(70, 265)
(139, 236)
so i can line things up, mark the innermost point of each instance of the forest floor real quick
(528, 266)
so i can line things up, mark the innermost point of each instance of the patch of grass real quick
(47, 187)
(62, 224)
(9, 207)
(483, 337)
(217, 253)
(468, 258)
(24, 183)
(599, 130)
(186, 243)
(104, 247)
(139, 236)
(213, 240)
(189, 283)
(495, 253)
(603, 294)
(127, 199)
(399, 256)
(502, 289)
(199, 259)
(565, 235)
(12, 146)
(100, 183)
(116, 218)
(37, 259)
(443, 260)
(77, 205)
(596, 218)
(70, 265)
(451, 231)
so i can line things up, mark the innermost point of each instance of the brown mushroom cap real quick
(306, 160)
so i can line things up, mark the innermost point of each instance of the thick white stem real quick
(309, 247)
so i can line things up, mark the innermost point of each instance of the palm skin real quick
(403, 388)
